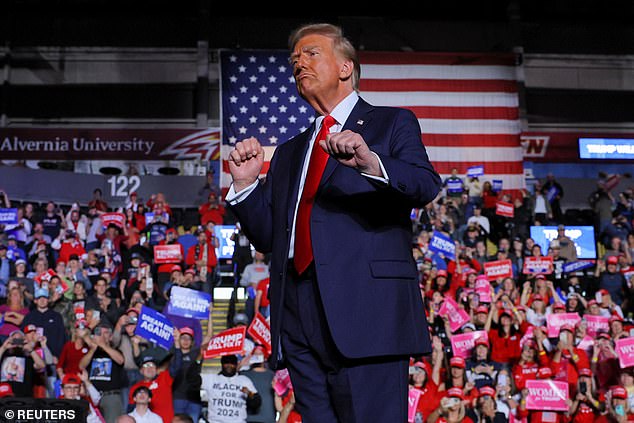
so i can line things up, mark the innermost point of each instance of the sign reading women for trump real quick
(440, 243)
(625, 350)
(457, 316)
(463, 343)
(556, 320)
(227, 342)
(189, 303)
(498, 269)
(547, 395)
(155, 327)
(596, 324)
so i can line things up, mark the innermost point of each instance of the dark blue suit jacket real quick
(361, 233)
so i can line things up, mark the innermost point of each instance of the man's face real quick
(142, 397)
(316, 67)
(148, 370)
(71, 391)
(229, 369)
(42, 302)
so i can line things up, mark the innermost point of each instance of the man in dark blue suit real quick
(346, 310)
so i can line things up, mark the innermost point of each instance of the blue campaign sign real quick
(497, 185)
(189, 303)
(440, 243)
(155, 327)
(8, 216)
(475, 170)
(575, 266)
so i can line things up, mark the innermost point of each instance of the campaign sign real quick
(281, 382)
(440, 243)
(260, 331)
(117, 219)
(552, 193)
(167, 253)
(189, 303)
(412, 404)
(502, 208)
(547, 395)
(555, 320)
(497, 185)
(149, 217)
(457, 316)
(227, 342)
(463, 343)
(596, 324)
(44, 277)
(8, 216)
(528, 336)
(454, 186)
(474, 171)
(483, 289)
(498, 269)
(538, 265)
(625, 351)
(575, 266)
(155, 327)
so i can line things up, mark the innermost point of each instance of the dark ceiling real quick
(565, 26)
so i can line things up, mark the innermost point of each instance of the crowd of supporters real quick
(73, 281)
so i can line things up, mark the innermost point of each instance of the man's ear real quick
(347, 67)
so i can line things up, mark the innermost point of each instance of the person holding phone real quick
(588, 404)
(569, 360)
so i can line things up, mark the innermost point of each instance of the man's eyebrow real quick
(304, 49)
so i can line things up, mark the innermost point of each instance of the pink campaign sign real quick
(547, 395)
(412, 404)
(463, 343)
(483, 289)
(556, 320)
(457, 316)
(625, 351)
(596, 324)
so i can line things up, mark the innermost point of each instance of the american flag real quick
(467, 105)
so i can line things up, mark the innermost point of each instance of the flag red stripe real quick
(435, 112)
(438, 85)
(471, 140)
(423, 58)
(490, 168)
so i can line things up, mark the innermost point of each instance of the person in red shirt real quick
(71, 245)
(568, 360)
(73, 351)
(588, 404)
(457, 378)
(618, 408)
(262, 297)
(422, 378)
(160, 384)
(196, 256)
(452, 408)
(212, 210)
(171, 239)
(505, 340)
(531, 359)
(539, 416)
(442, 284)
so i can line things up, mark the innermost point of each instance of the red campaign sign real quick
(538, 265)
(117, 219)
(503, 208)
(260, 331)
(227, 342)
(168, 253)
(44, 277)
(498, 269)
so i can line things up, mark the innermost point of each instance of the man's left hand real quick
(350, 149)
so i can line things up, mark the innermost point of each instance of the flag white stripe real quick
(485, 72)
(441, 99)
(474, 154)
(469, 126)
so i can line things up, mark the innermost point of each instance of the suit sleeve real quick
(407, 164)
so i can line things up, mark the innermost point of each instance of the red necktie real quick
(318, 157)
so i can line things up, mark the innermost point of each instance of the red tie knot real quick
(328, 122)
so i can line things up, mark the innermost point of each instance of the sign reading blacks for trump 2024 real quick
(155, 327)
(189, 303)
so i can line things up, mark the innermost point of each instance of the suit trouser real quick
(328, 386)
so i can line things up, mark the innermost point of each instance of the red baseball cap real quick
(504, 311)
(603, 335)
(567, 327)
(481, 341)
(612, 260)
(537, 297)
(559, 306)
(482, 309)
(618, 392)
(71, 379)
(592, 302)
(6, 390)
(457, 362)
(585, 372)
(423, 365)
(175, 268)
(486, 390)
(29, 329)
(455, 392)
(187, 331)
(441, 272)
(613, 318)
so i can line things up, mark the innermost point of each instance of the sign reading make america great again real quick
(109, 144)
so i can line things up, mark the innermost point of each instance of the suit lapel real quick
(356, 122)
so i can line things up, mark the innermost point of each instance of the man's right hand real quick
(245, 163)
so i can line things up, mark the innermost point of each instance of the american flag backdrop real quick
(467, 105)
